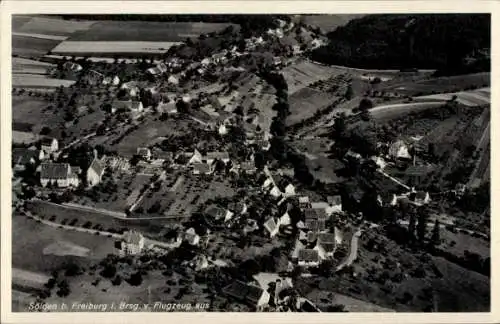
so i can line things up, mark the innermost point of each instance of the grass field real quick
(48, 26)
(26, 66)
(471, 98)
(32, 47)
(300, 75)
(442, 84)
(30, 239)
(96, 48)
(464, 242)
(30, 110)
(38, 81)
(305, 102)
(145, 31)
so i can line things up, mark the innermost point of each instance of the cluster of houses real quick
(53, 173)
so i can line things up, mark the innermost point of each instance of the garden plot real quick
(302, 74)
(112, 47)
(306, 102)
(38, 81)
(52, 26)
(31, 46)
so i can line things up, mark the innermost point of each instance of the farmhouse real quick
(420, 197)
(144, 153)
(308, 258)
(418, 173)
(387, 200)
(59, 174)
(128, 105)
(22, 157)
(271, 226)
(73, 67)
(95, 171)
(169, 108)
(50, 145)
(252, 295)
(111, 80)
(191, 237)
(399, 150)
(326, 245)
(132, 243)
(173, 80)
(304, 202)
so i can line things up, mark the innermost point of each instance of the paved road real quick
(353, 251)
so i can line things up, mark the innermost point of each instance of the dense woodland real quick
(451, 43)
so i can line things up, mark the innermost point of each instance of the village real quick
(188, 169)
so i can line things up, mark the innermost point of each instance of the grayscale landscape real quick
(251, 163)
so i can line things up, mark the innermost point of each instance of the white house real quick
(95, 171)
(399, 150)
(196, 157)
(421, 197)
(132, 243)
(173, 80)
(271, 226)
(285, 220)
(250, 294)
(50, 145)
(326, 245)
(59, 174)
(335, 203)
(128, 105)
(223, 130)
(191, 237)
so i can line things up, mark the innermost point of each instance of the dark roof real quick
(420, 194)
(217, 155)
(334, 200)
(55, 170)
(418, 170)
(308, 307)
(236, 207)
(143, 151)
(312, 236)
(47, 141)
(132, 237)
(308, 255)
(311, 214)
(326, 237)
(201, 167)
(315, 225)
(243, 291)
(22, 156)
(97, 166)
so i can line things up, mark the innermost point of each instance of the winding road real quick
(353, 251)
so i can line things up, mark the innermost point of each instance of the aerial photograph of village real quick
(251, 163)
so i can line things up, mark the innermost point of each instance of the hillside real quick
(453, 44)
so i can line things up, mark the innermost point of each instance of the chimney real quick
(95, 155)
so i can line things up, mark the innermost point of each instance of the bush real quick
(117, 280)
(135, 279)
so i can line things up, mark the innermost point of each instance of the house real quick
(352, 156)
(247, 167)
(335, 203)
(173, 80)
(217, 213)
(169, 108)
(73, 67)
(420, 197)
(196, 157)
(22, 157)
(144, 153)
(59, 174)
(250, 226)
(275, 192)
(399, 150)
(417, 174)
(191, 237)
(93, 77)
(315, 225)
(95, 171)
(128, 105)
(308, 258)
(111, 80)
(304, 202)
(201, 168)
(132, 88)
(132, 243)
(322, 209)
(252, 295)
(210, 157)
(285, 220)
(271, 226)
(326, 245)
(205, 62)
(387, 200)
(379, 162)
(154, 71)
(49, 145)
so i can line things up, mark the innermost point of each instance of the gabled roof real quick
(327, 241)
(304, 200)
(308, 255)
(55, 170)
(143, 151)
(334, 200)
(418, 170)
(201, 167)
(47, 141)
(243, 291)
(270, 224)
(217, 155)
(315, 225)
(420, 195)
(97, 166)
(237, 207)
(132, 237)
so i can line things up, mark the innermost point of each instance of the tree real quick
(436, 238)
(116, 280)
(365, 104)
(63, 289)
(109, 270)
(45, 130)
(340, 126)
(422, 225)
(349, 93)
(135, 279)
(412, 225)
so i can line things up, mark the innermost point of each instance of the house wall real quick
(92, 177)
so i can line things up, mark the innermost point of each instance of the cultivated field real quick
(96, 48)
(145, 31)
(48, 26)
(38, 81)
(27, 66)
(442, 84)
(471, 98)
(28, 249)
(31, 46)
(300, 75)
(306, 102)
(30, 110)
